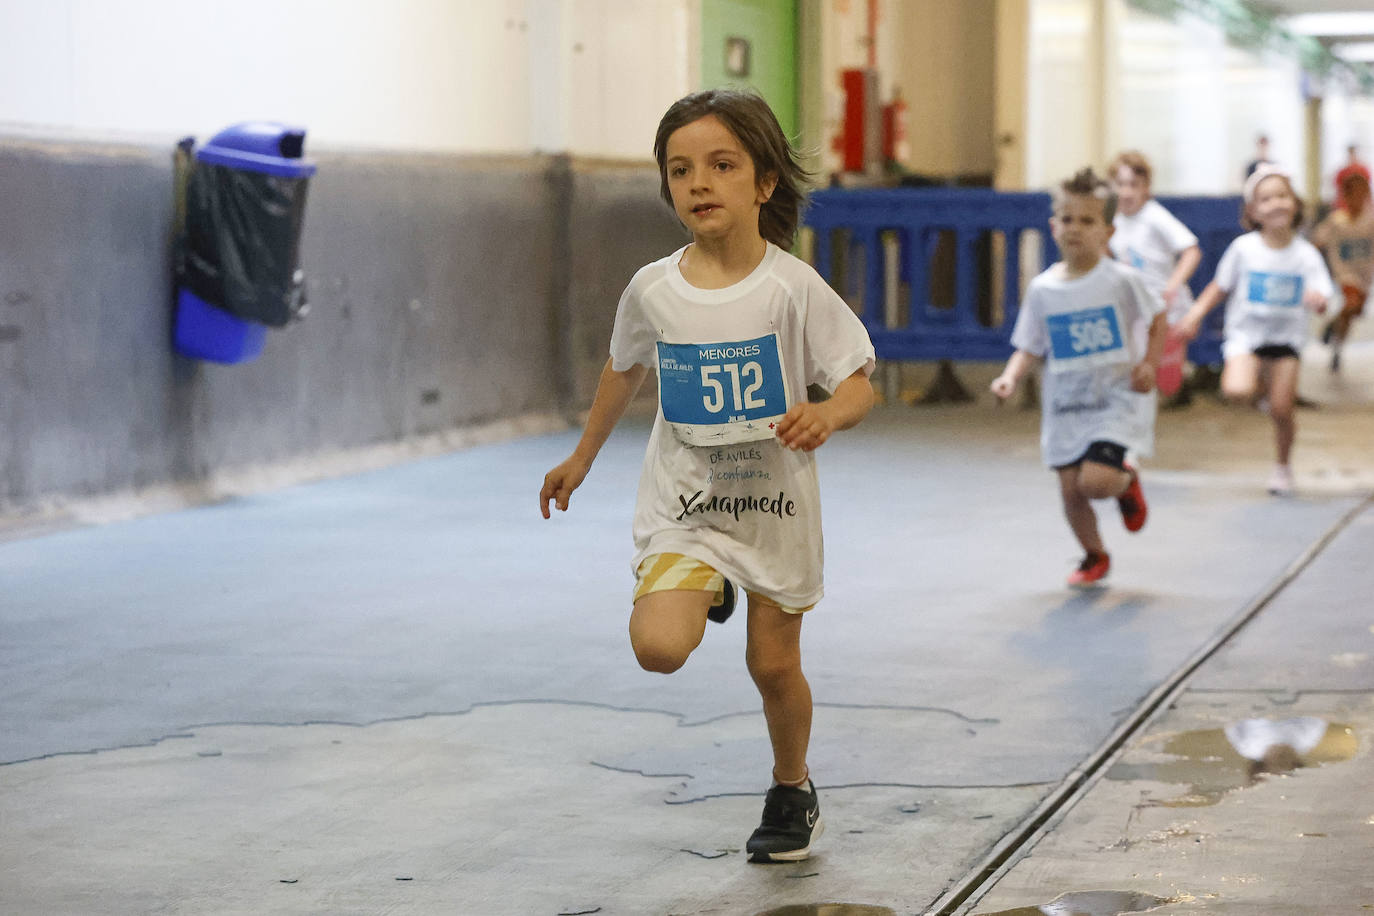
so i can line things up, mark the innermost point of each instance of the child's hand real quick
(1314, 301)
(805, 427)
(560, 483)
(1143, 377)
(1186, 328)
(1003, 386)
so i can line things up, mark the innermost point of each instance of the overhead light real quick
(1354, 50)
(1330, 24)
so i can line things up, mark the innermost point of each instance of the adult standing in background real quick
(1261, 155)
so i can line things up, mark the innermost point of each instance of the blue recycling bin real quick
(238, 271)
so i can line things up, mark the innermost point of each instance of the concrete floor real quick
(404, 692)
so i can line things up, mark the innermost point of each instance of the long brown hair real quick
(753, 123)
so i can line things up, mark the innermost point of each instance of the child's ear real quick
(767, 184)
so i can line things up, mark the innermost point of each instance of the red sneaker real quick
(1094, 567)
(1132, 503)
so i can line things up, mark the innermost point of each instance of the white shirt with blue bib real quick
(1091, 331)
(716, 484)
(1265, 287)
(1151, 241)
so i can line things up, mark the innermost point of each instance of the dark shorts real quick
(1275, 351)
(1101, 452)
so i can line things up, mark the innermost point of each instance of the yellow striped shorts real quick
(665, 572)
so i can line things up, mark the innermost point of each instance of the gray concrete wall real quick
(446, 292)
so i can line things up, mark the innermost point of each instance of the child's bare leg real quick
(1078, 509)
(774, 658)
(1102, 481)
(1354, 303)
(1283, 394)
(666, 626)
(1240, 377)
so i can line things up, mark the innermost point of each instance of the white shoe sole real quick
(795, 855)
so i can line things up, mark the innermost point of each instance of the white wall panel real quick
(586, 76)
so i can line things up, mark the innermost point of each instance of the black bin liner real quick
(243, 224)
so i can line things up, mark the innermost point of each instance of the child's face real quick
(1079, 229)
(1132, 190)
(1274, 204)
(712, 182)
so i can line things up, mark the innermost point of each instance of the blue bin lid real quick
(259, 146)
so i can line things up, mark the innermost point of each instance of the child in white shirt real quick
(1272, 280)
(1083, 317)
(1153, 241)
(736, 329)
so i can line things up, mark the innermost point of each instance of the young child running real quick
(1153, 241)
(1083, 317)
(736, 329)
(1347, 235)
(1273, 278)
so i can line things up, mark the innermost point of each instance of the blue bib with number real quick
(1086, 339)
(722, 393)
(1354, 249)
(1275, 290)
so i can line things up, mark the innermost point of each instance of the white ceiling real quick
(1344, 26)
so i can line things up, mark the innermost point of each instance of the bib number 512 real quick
(745, 382)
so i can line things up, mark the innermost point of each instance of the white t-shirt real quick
(1265, 287)
(1151, 242)
(1349, 245)
(730, 359)
(1091, 331)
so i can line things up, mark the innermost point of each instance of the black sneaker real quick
(791, 822)
(721, 612)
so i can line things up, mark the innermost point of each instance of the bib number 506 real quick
(750, 374)
(1095, 334)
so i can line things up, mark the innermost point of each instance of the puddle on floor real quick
(1090, 903)
(829, 909)
(1211, 763)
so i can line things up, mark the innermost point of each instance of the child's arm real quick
(1143, 375)
(1183, 271)
(1004, 386)
(806, 426)
(1189, 324)
(613, 394)
(1321, 235)
(1314, 301)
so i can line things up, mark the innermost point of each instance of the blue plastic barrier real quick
(862, 226)
(1216, 223)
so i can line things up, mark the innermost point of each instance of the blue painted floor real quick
(404, 691)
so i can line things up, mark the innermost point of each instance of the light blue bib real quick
(1086, 339)
(1275, 290)
(722, 393)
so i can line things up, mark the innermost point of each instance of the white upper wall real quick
(1177, 91)
(580, 76)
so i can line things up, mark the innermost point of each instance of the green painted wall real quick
(770, 27)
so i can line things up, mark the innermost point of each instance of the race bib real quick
(1275, 290)
(722, 393)
(1086, 339)
(1355, 249)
